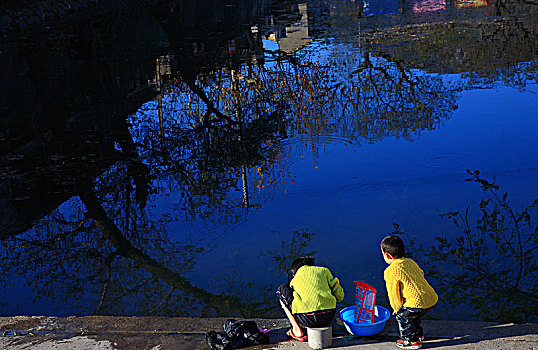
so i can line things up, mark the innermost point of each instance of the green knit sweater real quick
(315, 289)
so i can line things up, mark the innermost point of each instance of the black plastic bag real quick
(218, 341)
(236, 334)
(244, 333)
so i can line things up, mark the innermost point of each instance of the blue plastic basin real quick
(347, 315)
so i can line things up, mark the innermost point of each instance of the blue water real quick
(334, 183)
(349, 194)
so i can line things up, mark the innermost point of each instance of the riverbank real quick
(109, 332)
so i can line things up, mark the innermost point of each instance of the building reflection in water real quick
(418, 6)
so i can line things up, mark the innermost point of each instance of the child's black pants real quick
(409, 319)
(321, 318)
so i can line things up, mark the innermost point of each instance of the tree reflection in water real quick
(196, 151)
(84, 259)
(371, 98)
(290, 249)
(104, 253)
(491, 266)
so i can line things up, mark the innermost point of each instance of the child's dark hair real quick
(393, 245)
(300, 262)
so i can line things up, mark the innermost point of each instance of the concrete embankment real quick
(104, 332)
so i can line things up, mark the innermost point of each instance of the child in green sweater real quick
(309, 300)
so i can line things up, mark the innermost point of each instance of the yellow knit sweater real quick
(407, 286)
(315, 289)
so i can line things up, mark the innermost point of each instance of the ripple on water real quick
(447, 161)
(317, 140)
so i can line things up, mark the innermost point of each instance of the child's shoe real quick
(404, 344)
(303, 337)
(421, 338)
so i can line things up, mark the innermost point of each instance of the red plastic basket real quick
(365, 302)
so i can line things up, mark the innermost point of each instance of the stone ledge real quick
(112, 332)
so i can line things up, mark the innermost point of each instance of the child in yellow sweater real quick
(410, 295)
(309, 300)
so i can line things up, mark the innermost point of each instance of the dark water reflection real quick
(150, 168)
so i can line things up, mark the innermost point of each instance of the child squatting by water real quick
(410, 295)
(309, 300)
